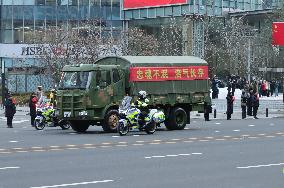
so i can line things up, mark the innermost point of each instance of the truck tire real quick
(111, 121)
(177, 119)
(79, 126)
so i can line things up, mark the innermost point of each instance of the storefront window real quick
(50, 2)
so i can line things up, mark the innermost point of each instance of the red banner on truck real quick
(128, 4)
(148, 74)
(278, 33)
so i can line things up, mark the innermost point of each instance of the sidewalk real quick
(238, 115)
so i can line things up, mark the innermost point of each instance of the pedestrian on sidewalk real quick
(255, 104)
(230, 105)
(249, 103)
(244, 98)
(32, 104)
(10, 110)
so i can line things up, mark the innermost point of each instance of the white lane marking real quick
(122, 142)
(257, 166)
(73, 184)
(227, 136)
(280, 133)
(73, 133)
(158, 156)
(217, 123)
(184, 154)
(13, 141)
(236, 130)
(175, 139)
(9, 167)
(251, 125)
(136, 135)
(20, 121)
(196, 153)
(217, 131)
(140, 141)
(171, 155)
(261, 134)
(115, 136)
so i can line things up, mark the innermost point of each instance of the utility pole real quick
(3, 80)
(249, 59)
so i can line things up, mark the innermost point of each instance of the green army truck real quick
(90, 94)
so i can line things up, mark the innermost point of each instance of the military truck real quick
(90, 94)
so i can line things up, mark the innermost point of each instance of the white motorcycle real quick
(130, 118)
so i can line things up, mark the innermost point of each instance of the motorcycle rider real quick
(142, 105)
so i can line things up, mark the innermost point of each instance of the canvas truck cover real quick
(163, 74)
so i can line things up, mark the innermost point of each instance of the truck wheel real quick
(78, 126)
(111, 121)
(177, 119)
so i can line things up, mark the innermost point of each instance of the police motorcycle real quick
(46, 117)
(130, 118)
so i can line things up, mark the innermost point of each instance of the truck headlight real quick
(83, 113)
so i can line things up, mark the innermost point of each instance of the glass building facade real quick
(22, 20)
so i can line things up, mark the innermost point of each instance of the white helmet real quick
(142, 94)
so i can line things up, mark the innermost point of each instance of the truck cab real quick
(85, 92)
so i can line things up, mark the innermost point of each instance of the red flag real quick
(150, 3)
(278, 33)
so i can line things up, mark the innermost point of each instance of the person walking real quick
(255, 104)
(230, 105)
(32, 104)
(249, 103)
(214, 87)
(276, 89)
(244, 98)
(10, 110)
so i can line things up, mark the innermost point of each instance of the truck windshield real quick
(75, 80)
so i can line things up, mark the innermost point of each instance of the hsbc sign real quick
(135, 4)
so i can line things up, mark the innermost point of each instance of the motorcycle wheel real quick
(39, 125)
(121, 129)
(151, 128)
(64, 124)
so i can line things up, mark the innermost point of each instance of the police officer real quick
(255, 105)
(244, 98)
(230, 103)
(142, 104)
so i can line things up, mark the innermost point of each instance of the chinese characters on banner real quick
(153, 74)
(278, 33)
(127, 4)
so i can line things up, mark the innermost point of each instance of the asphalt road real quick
(231, 154)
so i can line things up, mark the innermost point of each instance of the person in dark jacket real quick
(244, 98)
(215, 90)
(255, 105)
(230, 105)
(10, 110)
(249, 103)
(32, 104)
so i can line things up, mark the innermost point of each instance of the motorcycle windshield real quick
(125, 103)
